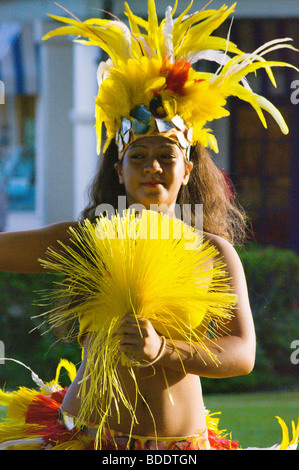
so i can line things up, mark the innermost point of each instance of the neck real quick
(164, 208)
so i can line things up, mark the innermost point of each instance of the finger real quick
(129, 318)
(132, 318)
(129, 341)
(128, 348)
(128, 329)
(131, 324)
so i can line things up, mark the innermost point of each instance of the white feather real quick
(34, 376)
(168, 35)
(146, 46)
(218, 57)
(209, 54)
(21, 442)
(258, 54)
(103, 71)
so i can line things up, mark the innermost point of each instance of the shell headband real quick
(148, 85)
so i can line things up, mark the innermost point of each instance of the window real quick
(19, 73)
(17, 137)
(262, 166)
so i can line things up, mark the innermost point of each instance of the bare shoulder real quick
(226, 251)
(222, 245)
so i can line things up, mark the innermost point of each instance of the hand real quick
(139, 338)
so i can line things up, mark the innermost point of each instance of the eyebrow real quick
(138, 145)
(165, 146)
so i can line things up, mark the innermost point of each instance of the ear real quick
(188, 169)
(118, 168)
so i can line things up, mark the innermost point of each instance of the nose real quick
(152, 166)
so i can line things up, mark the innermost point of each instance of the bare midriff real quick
(177, 407)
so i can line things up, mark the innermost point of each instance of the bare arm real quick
(20, 251)
(235, 352)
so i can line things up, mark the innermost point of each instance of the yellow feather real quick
(107, 34)
(182, 16)
(206, 138)
(5, 398)
(212, 43)
(286, 443)
(69, 367)
(175, 7)
(64, 30)
(11, 431)
(131, 81)
(285, 434)
(137, 21)
(236, 75)
(132, 21)
(275, 113)
(208, 21)
(73, 444)
(152, 24)
(19, 404)
(295, 433)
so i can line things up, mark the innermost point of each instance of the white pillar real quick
(83, 118)
(54, 146)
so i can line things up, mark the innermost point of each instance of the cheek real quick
(179, 175)
(130, 181)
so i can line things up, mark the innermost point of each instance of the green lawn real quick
(250, 417)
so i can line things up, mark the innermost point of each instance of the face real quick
(153, 169)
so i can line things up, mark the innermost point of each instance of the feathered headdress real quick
(148, 85)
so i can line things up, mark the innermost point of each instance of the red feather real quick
(176, 75)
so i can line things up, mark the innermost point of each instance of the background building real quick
(47, 135)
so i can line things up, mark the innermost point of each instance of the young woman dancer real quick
(154, 107)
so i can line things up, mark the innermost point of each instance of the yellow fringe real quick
(286, 443)
(6, 397)
(17, 402)
(25, 447)
(10, 431)
(152, 265)
(70, 445)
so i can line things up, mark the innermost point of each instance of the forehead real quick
(154, 142)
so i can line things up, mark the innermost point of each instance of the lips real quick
(152, 184)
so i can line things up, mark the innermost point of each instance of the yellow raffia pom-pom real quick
(151, 265)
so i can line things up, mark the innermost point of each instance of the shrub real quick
(272, 277)
(23, 340)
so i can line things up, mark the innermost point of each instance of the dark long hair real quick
(222, 215)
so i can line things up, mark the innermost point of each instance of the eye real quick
(168, 156)
(136, 156)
